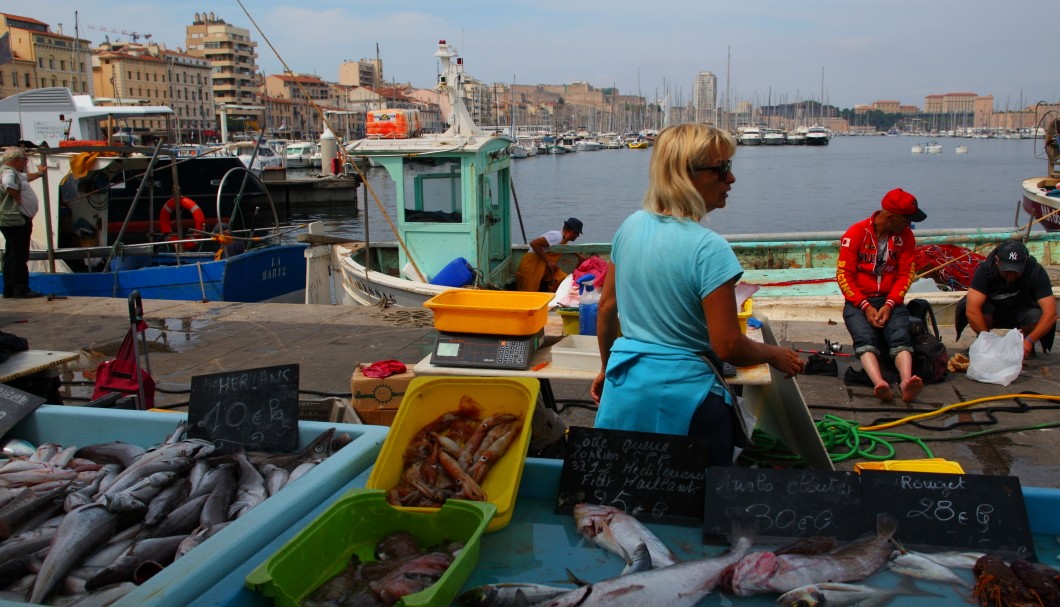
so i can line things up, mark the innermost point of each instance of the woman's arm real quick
(731, 345)
(606, 328)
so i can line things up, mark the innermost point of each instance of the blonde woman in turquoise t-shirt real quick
(673, 281)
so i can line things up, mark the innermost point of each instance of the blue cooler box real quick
(191, 576)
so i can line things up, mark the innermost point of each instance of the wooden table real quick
(542, 369)
(30, 362)
(32, 372)
(776, 402)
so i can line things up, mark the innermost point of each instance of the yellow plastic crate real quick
(429, 397)
(570, 318)
(490, 312)
(934, 464)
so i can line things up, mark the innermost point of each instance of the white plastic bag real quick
(995, 359)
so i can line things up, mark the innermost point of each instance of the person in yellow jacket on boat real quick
(538, 270)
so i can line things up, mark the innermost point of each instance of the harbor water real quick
(777, 189)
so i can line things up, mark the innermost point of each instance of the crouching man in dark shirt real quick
(1010, 290)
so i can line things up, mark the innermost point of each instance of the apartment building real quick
(32, 56)
(233, 58)
(705, 96)
(366, 72)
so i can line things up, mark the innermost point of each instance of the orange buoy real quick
(165, 225)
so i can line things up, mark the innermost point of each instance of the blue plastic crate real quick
(191, 576)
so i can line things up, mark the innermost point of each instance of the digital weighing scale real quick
(477, 350)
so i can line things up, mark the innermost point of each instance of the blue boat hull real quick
(265, 274)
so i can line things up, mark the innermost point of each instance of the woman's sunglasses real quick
(723, 169)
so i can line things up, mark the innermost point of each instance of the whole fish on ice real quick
(614, 530)
(680, 585)
(761, 572)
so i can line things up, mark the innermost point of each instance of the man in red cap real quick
(876, 257)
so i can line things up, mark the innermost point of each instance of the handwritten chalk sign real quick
(953, 511)
(15, 405)
(654, 477)
(783, 503)
(255, 408)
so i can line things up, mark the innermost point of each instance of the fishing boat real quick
(1041, 200)
(453, 202)
(118, 218)
(918, 148)
(176, 252)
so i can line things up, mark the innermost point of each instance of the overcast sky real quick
(782, 50)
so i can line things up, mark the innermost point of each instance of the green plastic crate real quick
(354, 525)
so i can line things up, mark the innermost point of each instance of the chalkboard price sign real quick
(783, 503)
(254, 408)
(656, 477)
(953, 511)
(14, 406)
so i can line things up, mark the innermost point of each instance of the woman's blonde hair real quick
(677, 149)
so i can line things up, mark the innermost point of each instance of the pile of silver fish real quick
(86, 525)
(401, 567)
(809, 572)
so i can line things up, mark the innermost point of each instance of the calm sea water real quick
(777, 189)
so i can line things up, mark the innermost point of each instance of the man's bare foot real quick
(883, 392)
(911, 387)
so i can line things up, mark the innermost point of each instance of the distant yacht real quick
(817, 135)
(797, 136)
(774, 137)
(750, 135)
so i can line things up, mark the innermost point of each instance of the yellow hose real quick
(947, 408)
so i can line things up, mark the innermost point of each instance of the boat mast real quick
(451, 82)
(728, 89)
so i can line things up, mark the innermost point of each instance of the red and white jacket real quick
(862, 274)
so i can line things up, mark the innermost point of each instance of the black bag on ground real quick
(929, 353)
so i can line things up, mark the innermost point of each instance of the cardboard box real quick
(376, 400)
(333, 409)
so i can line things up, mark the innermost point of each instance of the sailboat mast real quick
(821, 119)
(728, 90)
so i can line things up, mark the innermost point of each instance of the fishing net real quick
(950, 266)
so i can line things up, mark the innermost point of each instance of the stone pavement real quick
(192, 338)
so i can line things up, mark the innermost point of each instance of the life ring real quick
(165, 226)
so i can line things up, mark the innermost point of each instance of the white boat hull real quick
(371, 288)
(1038, 205)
